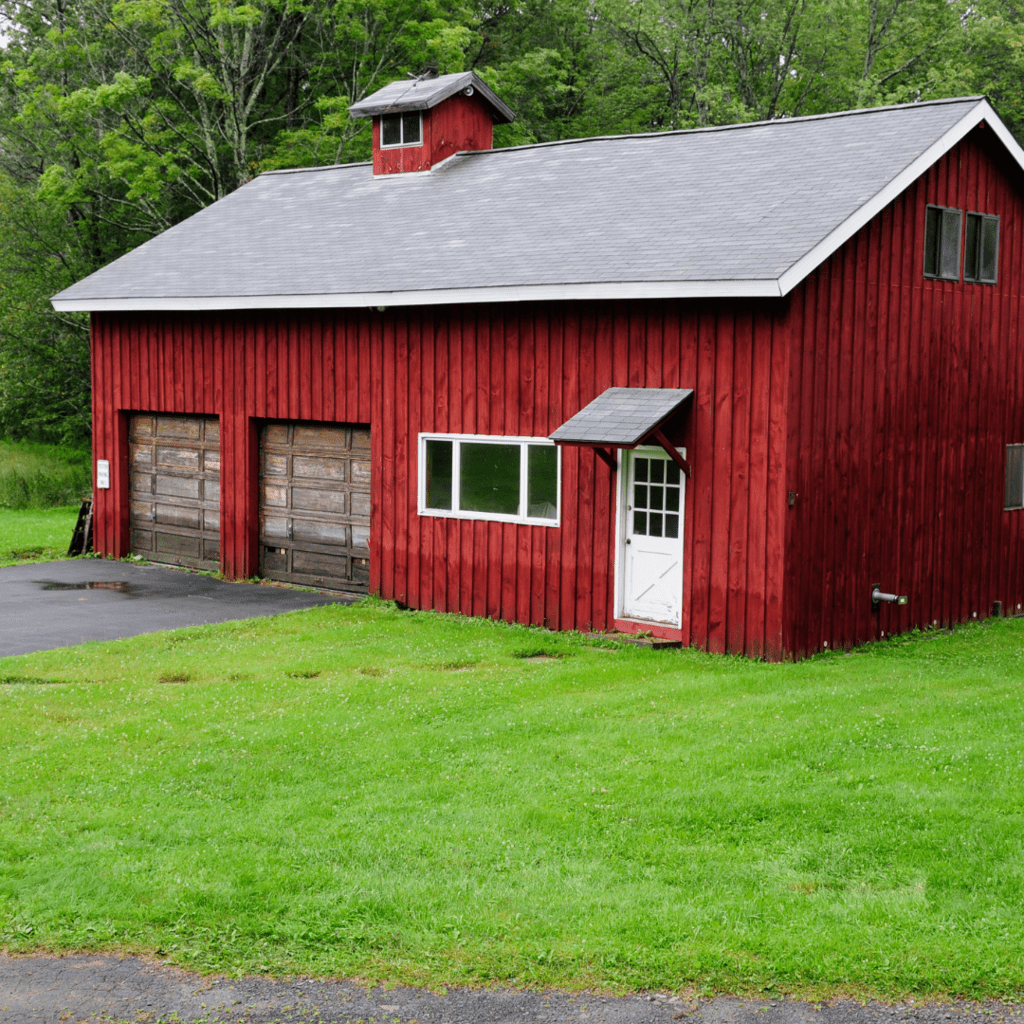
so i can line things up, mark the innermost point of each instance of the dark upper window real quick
(942, 243)
(400, 130)
(981, 248)
(1014, 494)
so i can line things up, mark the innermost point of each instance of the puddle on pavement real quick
(116, 585)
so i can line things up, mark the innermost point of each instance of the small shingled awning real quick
(624, 418)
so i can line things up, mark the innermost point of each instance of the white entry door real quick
(652, 538)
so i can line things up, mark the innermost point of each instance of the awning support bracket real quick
(607, 457)
(660, 437)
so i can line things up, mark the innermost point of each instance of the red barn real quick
(716, 384)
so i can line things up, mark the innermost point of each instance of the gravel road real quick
(70, 989)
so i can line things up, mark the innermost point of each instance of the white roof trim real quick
(845, 231)
(441, 296)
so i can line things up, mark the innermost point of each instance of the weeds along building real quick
(714, 384)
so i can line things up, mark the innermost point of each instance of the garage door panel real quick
(275, 465)
(179, 515)
(319, 501)
(178, 486)
(319, 468)
(321, 532)
(140, 454)
(185, 428)
(142, 542)
(274, 495)
(274, 528)
(175, 487)
(314, 517)
(316, 562)
(176, 544)
(178, 458)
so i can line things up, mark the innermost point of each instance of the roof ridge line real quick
(656, 135)
(729, 127)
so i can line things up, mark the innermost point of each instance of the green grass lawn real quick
(35, 535)
(406, 796)
(36, 475)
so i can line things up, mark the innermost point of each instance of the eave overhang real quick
(437, 297)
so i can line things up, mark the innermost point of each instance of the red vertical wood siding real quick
(460, 123)
(515, 370)
(903, 393)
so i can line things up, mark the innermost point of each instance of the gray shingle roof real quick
(424, 93)
(746, 210)
(621, 417)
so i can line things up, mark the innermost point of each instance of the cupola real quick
(419, 122)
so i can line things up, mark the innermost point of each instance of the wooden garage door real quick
(315, 505)
(175, 489)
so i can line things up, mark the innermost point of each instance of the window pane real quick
(932, 220)
(640, 470)
(672, 474)
(671, 526)
(655, 524)
(640, 523)
(439, 474)
(971, 247)
(1014, 476)
(410, 128)
(672, 499)
(391, 130)
(657, 471)
(657, 495)
(490, 478)
(542, 481)
(989, 249)
(640, 495)
(949, 257)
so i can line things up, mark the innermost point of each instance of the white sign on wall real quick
(102, 474)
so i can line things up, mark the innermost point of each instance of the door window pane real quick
(671, 526)
(672, 499)
(657, 471)
(542, 481)
(490, 478)
(640, 495)
(640, 470)
(640, 523)
(439, 474)
(655, 524)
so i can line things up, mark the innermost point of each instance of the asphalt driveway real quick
(84, 987)
(59, 604)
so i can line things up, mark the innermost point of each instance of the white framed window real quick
(480, 476)
(401, 130)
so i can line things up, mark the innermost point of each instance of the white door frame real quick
(620, 533)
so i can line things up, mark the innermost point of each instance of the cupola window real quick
(401, 130)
